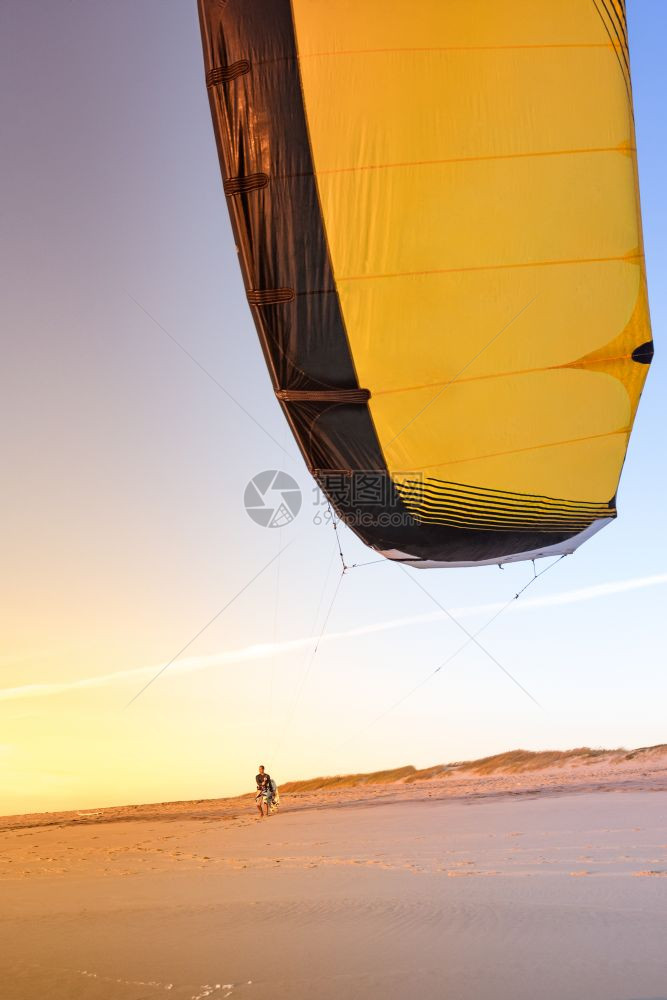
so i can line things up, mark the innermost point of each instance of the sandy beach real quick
(512, 878)
(333, 439)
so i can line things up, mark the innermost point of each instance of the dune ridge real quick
(515, 772)
(512, 761)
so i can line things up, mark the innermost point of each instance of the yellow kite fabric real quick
(475, 172)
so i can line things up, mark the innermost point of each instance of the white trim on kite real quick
(560, 549)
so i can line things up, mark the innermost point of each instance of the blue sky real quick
(125, 466)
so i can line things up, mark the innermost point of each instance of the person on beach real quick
(264, 791)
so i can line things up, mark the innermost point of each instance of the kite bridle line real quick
(346, 566)
(310, 659)
(471, 637)
(335, 528)
(452, 656)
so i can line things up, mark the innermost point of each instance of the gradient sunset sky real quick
(125, 462)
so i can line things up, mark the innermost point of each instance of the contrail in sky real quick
(261, 651)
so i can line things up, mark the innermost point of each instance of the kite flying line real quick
(472, 637)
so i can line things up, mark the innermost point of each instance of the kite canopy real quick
(437, 215)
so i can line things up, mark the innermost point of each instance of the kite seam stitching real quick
(625, 259)
(270, 296)
(243, 185)
(360, 396)
(435, 502)
(532, 447)
(225, 74)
